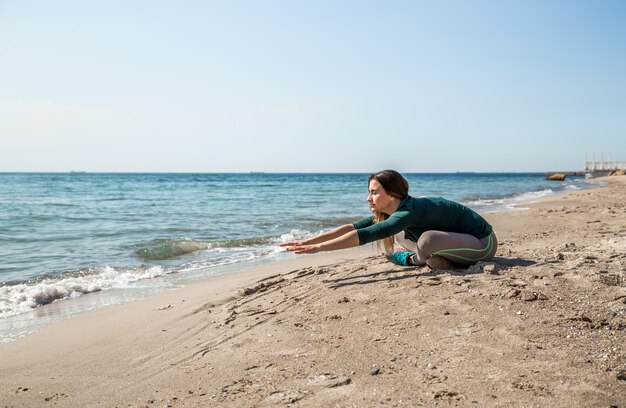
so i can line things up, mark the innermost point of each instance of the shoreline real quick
(285, 333)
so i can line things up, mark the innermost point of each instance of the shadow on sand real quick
(396, 275)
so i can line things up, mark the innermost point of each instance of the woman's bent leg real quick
(459, 248)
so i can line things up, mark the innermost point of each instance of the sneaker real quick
(401, 258)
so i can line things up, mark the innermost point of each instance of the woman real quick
(436, 231)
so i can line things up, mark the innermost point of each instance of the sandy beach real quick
(544, 324)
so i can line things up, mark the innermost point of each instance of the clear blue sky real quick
(311, 86)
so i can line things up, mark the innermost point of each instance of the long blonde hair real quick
(396, 186)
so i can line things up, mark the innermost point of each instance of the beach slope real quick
(544, 324)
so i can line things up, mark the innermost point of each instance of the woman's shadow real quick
(424, 271)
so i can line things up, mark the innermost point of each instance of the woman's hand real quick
(300, 248)
(315, 245)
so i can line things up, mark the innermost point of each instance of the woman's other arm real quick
(327, 236)
(347, 240)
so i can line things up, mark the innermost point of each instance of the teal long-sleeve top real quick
(415, 216)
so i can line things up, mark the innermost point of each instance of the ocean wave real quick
(294, 235)
(171, 249)
(242, 242)
(23, 297)
(533, 195)
(485, 202)
(507, 203)
(167, 249)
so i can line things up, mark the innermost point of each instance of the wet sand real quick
(544, 324)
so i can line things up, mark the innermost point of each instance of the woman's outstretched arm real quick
(327, 236)
(347, 240)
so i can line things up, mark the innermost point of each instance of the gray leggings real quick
(459, 248)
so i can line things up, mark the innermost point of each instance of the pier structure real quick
(594, 166)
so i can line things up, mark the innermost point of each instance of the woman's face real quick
(379, 200)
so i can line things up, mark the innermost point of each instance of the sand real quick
(544, 324)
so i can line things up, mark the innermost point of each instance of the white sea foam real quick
(21, 298)
(294, 235)
(508, 203)
(487, 203)
(533, 195)
(228, 256)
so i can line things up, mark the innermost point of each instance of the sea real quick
(74, 242)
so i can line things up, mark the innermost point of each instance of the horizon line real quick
(81, 172)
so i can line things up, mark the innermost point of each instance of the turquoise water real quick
(70, 235)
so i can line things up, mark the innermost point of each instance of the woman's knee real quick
(426, 245)
(427, 241)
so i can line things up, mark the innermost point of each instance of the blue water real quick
(69, 235)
